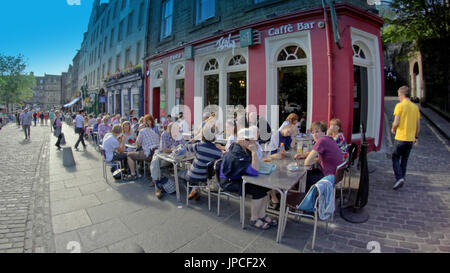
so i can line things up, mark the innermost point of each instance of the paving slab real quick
(70, 221)
(74, 204)
(112, 210)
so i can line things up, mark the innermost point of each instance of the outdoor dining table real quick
(281, 180)
(176, 162)
(131, 146)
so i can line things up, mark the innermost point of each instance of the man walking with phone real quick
(406, 128)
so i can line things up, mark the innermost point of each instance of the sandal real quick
(263, 225)
(271, 222)
(131, 177)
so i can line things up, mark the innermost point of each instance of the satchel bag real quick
(168, 185)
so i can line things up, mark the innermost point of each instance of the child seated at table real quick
(335, 131)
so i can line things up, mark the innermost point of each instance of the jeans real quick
(26, 129)
(400, 158)
(80, 138)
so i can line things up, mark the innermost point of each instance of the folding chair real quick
(294, 199)
(210, 174)
(221, 192)
(109, 164)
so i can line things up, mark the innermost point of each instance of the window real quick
(212, 65)
(358, 52)
(130, 23)
(127, 58)
(258, 1)
(237, 60)
(291, 53)
(205, 10)
(109, 66)
(115, 9)
(120, 36)
(141, 14)
(118, 63)
(103, 71)
(104, 45)
(138, 53)
(107, 17)
(166, 21)
(111, 40)
(124, 4)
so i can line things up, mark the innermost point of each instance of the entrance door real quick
(292, 91)
(156, 101)
(360, 94)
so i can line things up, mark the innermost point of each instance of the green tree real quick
(15, 85)
(417, 20)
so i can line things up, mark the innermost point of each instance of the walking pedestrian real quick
(46, 118)
(52, 119)
(41, 116)
(79, 129)
(58, 130)
(35, 117)
(18, 119)
(406, 128)
(25, 119)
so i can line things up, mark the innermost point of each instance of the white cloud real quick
(73, 2)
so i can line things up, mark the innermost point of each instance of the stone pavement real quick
(25, 224)
(89, 215)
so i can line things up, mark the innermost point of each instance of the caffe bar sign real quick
(289, 28)
(225, 43)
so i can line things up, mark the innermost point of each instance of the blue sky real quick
(46, 32)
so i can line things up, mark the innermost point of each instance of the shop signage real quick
(289, 28)
(175, 57)
(246, 37)
(224, 43)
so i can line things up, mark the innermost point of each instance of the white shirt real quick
(231, 140)
(79, 121)
(184, 126)
(110, 144)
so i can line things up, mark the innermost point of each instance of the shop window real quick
(291, 53)
(237, 60)
(237, 88)
(180, 71)
(212, 65)
(292, 91)
(211, 90)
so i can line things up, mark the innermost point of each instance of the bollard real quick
(68, 160)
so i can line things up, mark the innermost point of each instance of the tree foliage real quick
(417, 21)
(15, 84)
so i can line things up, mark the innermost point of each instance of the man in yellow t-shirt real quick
(406, 128)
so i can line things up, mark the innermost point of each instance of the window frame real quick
(163, 24)
(199, 21)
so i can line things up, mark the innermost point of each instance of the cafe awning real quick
(72, 102)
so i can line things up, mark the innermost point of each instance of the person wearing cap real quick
(79, 129)
(242, 159)
(170, 139)
(206, 153)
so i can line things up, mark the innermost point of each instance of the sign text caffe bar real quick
(283, 65)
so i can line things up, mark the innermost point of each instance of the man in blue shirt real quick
(79, 129)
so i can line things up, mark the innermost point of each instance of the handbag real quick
(168, 185)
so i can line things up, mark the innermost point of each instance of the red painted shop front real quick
(287, 65)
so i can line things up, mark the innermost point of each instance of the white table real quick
(281, 180)
(175, 163)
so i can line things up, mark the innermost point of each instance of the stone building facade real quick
(47, 92)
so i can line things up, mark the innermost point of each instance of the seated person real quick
(231, 132)
(328, 152)
(335, 131)
(104, 128)
(206, 153)
(130, 137)
(286, 134)
(242, 160)
(95, 129)
(264, 130)
(149, 141)
(134, 124)
(170, 139)
(114, 145)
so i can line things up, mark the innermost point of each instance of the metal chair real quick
(294, 199)
(221, 192)
(210, 175)
(110, 164)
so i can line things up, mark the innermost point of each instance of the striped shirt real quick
(205, 153)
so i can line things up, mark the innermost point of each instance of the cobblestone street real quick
(45, 207)
(25, 224)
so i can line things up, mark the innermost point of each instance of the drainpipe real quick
(330, 64)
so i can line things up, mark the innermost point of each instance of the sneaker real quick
(158, 193)
(398, 184)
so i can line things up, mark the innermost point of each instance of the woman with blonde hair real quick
(335, 131)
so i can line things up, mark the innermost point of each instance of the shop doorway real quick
(156, 102)
(179, 95)
(292, 91)
(211, 98)
(360, 95)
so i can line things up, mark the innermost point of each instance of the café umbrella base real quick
(354, 215)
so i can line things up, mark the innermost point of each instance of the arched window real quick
(180, 70)
(212, 65)
(237, 60)
(358, 52)
(159, 74)
(291, 53)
